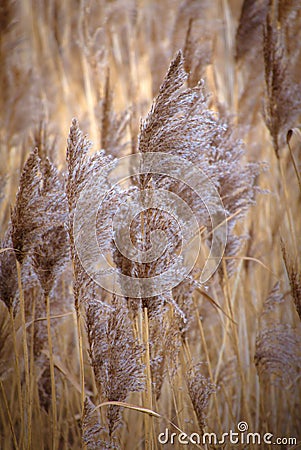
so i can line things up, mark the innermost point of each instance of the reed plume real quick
(115, 355)
(282, 99)
(25, 221)
(278, 353)
(8, 272)
(200, 389)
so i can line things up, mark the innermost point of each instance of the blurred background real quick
(103, 62)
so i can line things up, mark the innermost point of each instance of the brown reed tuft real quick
(24, 218)
(115, 355)
(81, 168)
(51, 252)
(94, 435)
(200, 389)
(274, 299)
(282, 98)
(277, 354)
(181, 123)
(113, 126)
(249, 31)
(8, 271)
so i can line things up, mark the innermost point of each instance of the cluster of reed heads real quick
(83, 367)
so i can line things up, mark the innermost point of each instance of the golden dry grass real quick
(103, 63)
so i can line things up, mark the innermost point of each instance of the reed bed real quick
(83, 84)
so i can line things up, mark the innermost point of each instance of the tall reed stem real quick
(27, 414)
(52, 375)
(17, 371)
(81, 361)
(148, 397)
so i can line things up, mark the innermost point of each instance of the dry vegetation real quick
(80, 367)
